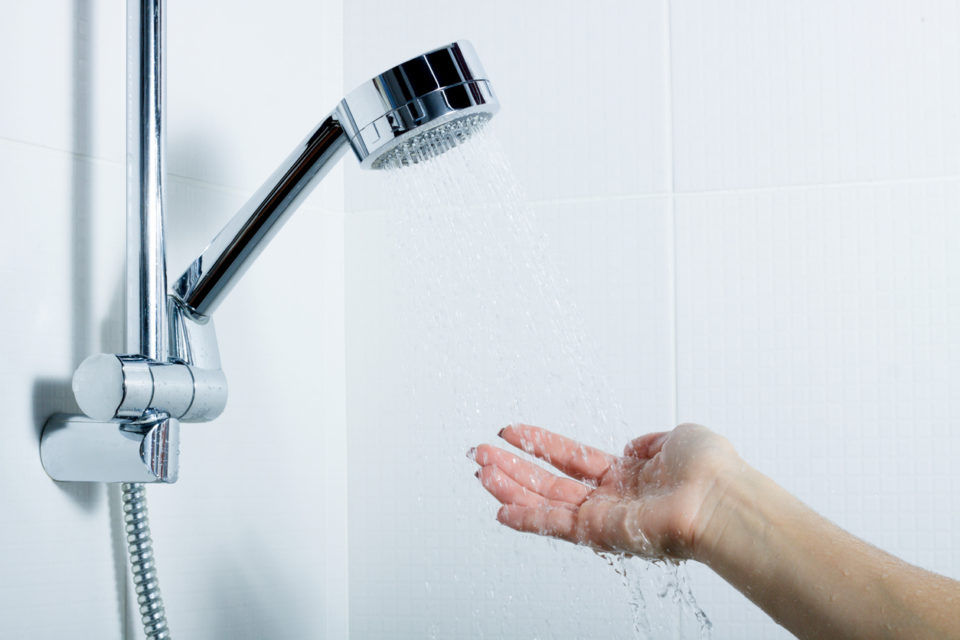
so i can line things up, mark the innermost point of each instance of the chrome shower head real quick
(419, 109)
(410, 113)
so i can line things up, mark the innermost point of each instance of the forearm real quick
(812, 577)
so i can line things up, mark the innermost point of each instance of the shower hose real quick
(140, 547)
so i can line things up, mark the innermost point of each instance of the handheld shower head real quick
(419, 109)
(410, 113)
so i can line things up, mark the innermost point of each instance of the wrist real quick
(730, 514)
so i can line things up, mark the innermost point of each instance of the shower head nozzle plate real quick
(418, 109)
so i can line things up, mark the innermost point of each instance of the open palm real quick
(648, 502)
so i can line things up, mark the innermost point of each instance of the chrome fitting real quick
(111, 387)
(134, 406)
(78, 449)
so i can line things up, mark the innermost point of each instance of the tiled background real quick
(747, 211)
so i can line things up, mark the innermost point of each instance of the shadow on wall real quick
(53, 396)
(193, 214)
(50, 395)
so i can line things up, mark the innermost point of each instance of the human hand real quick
(655, 501)
(687, 494)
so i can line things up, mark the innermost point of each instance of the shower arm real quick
(440, 86)
(210, 277)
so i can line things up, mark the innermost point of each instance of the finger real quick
(533, 477)
(557, 523)
(509, 491)
(645, 447)
(571, 457)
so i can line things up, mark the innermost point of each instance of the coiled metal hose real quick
(140, 547)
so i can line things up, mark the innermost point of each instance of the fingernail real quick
(472, 453)
(477, 474)
(500, 433)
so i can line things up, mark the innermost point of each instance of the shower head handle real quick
(404, 115)
(208, 279)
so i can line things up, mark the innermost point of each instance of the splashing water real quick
(485, 271)
(667, 580)
(490, 337)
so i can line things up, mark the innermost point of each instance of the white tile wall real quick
(247, 82)
(56, 548)
(774, 93)
(59, 292)
(63, 67)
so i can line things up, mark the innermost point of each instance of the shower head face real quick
(419, 109)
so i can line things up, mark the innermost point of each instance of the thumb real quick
(645, 447)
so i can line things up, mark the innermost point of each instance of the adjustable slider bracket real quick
(133, 408)
(111, 387)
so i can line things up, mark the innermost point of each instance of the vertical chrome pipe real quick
(146, 287)
(146, 330)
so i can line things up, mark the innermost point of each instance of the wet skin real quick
(648, 502)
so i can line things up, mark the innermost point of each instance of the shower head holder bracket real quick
(133, 407)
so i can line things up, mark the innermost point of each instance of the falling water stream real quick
(503, 342)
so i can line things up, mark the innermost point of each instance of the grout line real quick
(187, 180)
(537, 203)
(318, 207)
(237, 191)
(212, 186)
(60, 151)
(671, 205)
(342, 582)
(610, 198)
(674, 193)
(822, 185)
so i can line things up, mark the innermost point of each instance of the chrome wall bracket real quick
(80, 449)
(133, 408)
